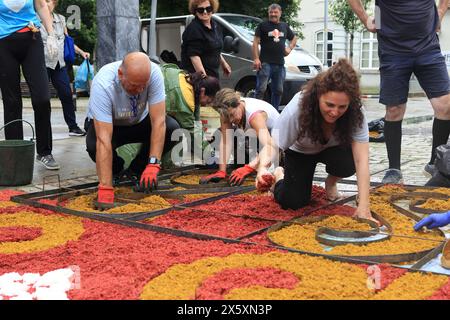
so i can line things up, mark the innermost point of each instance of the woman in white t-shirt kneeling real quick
(242, 120)
(323, 123)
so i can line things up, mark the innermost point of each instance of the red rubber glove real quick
(237, 177)
(214, 177)
(105, 197)
(149, 178)
(264, 182)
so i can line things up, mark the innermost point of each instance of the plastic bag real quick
(376, 130)
(441, 177)
(442, 162)
(84, 76)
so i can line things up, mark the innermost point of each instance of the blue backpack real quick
(69, 50)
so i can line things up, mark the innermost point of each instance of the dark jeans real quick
(122, 135)
(60, 81)
(294, 191)
(276, 73)
(25, 50)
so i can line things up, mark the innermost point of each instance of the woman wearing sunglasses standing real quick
(203, 41)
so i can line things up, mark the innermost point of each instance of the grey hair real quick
(274, 6)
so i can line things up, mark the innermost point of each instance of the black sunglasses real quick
(201, 10)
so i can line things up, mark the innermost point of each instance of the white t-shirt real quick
(253, 106)
(287, 128)
(110, 103)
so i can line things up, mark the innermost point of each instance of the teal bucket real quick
(16, 160)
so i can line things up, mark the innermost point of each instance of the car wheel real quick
(247, 89)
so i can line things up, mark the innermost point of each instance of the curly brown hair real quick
(341, 77)
(193, 4)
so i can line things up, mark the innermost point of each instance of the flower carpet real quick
(121, 262)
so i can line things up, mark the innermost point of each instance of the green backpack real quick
(176, 105)
(178, 108)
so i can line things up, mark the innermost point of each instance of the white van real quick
(238, 31)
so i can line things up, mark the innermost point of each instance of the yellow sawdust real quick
(303, 238)
(86, 203)
(436, 204)
(319, 278)
(6, 204)
(56, 231)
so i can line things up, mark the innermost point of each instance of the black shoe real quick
(77, 132)
(124, 176)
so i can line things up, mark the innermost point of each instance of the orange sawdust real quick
(303, 238)
(150, 203)
(319, 278)
(191, 179)
(194, 179)
(436, 190)
(411, 285)
(197, 196)
(436, 204)
(6, 204)
(56, 231)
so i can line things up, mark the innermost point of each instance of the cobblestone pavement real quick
(77, 167)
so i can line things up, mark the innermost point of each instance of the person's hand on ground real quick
(264, 180)
(149, 178)
(434, 220)
(238, 176)
(105, 198)
(214, 177)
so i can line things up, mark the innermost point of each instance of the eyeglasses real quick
(201, 10)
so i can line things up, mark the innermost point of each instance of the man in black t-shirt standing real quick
(408, 43)
(272, 35)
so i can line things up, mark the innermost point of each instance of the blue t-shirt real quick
(407, 26)
(110, 103)
(15, 15)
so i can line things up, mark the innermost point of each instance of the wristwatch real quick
(153, 160)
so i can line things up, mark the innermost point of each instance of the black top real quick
(199, 40)
(407, 26)
(273, 41)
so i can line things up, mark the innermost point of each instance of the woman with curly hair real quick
(324, 123)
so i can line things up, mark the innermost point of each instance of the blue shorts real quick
(395, 72)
